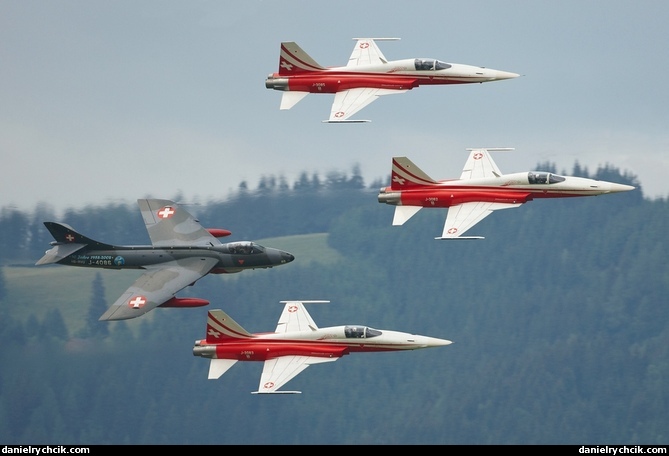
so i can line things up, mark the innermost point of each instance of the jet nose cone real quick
(622, 188)
(287, 257)
(278, 257)
(505, 75)
(610, 187)
(434, 342)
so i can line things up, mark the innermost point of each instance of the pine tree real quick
(98, 306)
(3, 290)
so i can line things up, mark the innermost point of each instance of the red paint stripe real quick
(287, 55)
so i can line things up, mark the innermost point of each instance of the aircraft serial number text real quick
(97, 260)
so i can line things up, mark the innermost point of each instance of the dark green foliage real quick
(94, 327)
(53, 326)
(558, 320)
(3, 290)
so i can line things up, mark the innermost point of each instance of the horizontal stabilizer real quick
(59, 252)
(404, 213)
(459, 238)
(218, 367)
(290, 99)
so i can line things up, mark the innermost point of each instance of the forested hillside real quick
(559, 322)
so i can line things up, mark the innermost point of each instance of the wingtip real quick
(276, 392)
(346, 121)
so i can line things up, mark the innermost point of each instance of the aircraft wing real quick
(278, 371)
(169, 224)
(158, 285)
(296, 318)
(462, 217)
(366, 52)
(348, 102)
(480, 164)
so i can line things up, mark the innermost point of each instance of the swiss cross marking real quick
(214, 333)
(452, 230)
(292, 309)
(364, 45)
(166, 212)
(268, 385)
(69, 237)
(478, 156)
(137, 302)
(399, 180)
(287, 66)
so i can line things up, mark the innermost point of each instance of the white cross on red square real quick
(137, 302)
(166, 212)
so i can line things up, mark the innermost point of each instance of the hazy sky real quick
(116, 100)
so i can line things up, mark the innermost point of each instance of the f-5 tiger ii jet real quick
(367, 76)
(296, 343)
(480, 190)
(182, 252)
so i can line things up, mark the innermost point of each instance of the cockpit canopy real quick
(360, 332)
(541, 177)
(430, 64)
(245, 248)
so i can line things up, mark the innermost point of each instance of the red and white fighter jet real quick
(480, 190)
(366, 76)
(295, 344)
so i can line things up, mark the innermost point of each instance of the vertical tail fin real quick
(293, 60)
(405, 174)
(67, 241)
(65, 234)
(220, 326)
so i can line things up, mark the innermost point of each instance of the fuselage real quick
(398, 74)
(231, 257)
(509, 188)
(334, 341)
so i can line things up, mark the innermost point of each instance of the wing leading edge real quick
(366, 52)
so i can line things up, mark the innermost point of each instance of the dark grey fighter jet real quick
(181, 253)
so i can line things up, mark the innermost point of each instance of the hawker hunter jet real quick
(181, 253)
(295, 344)
(366, 76)
(480, 190)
